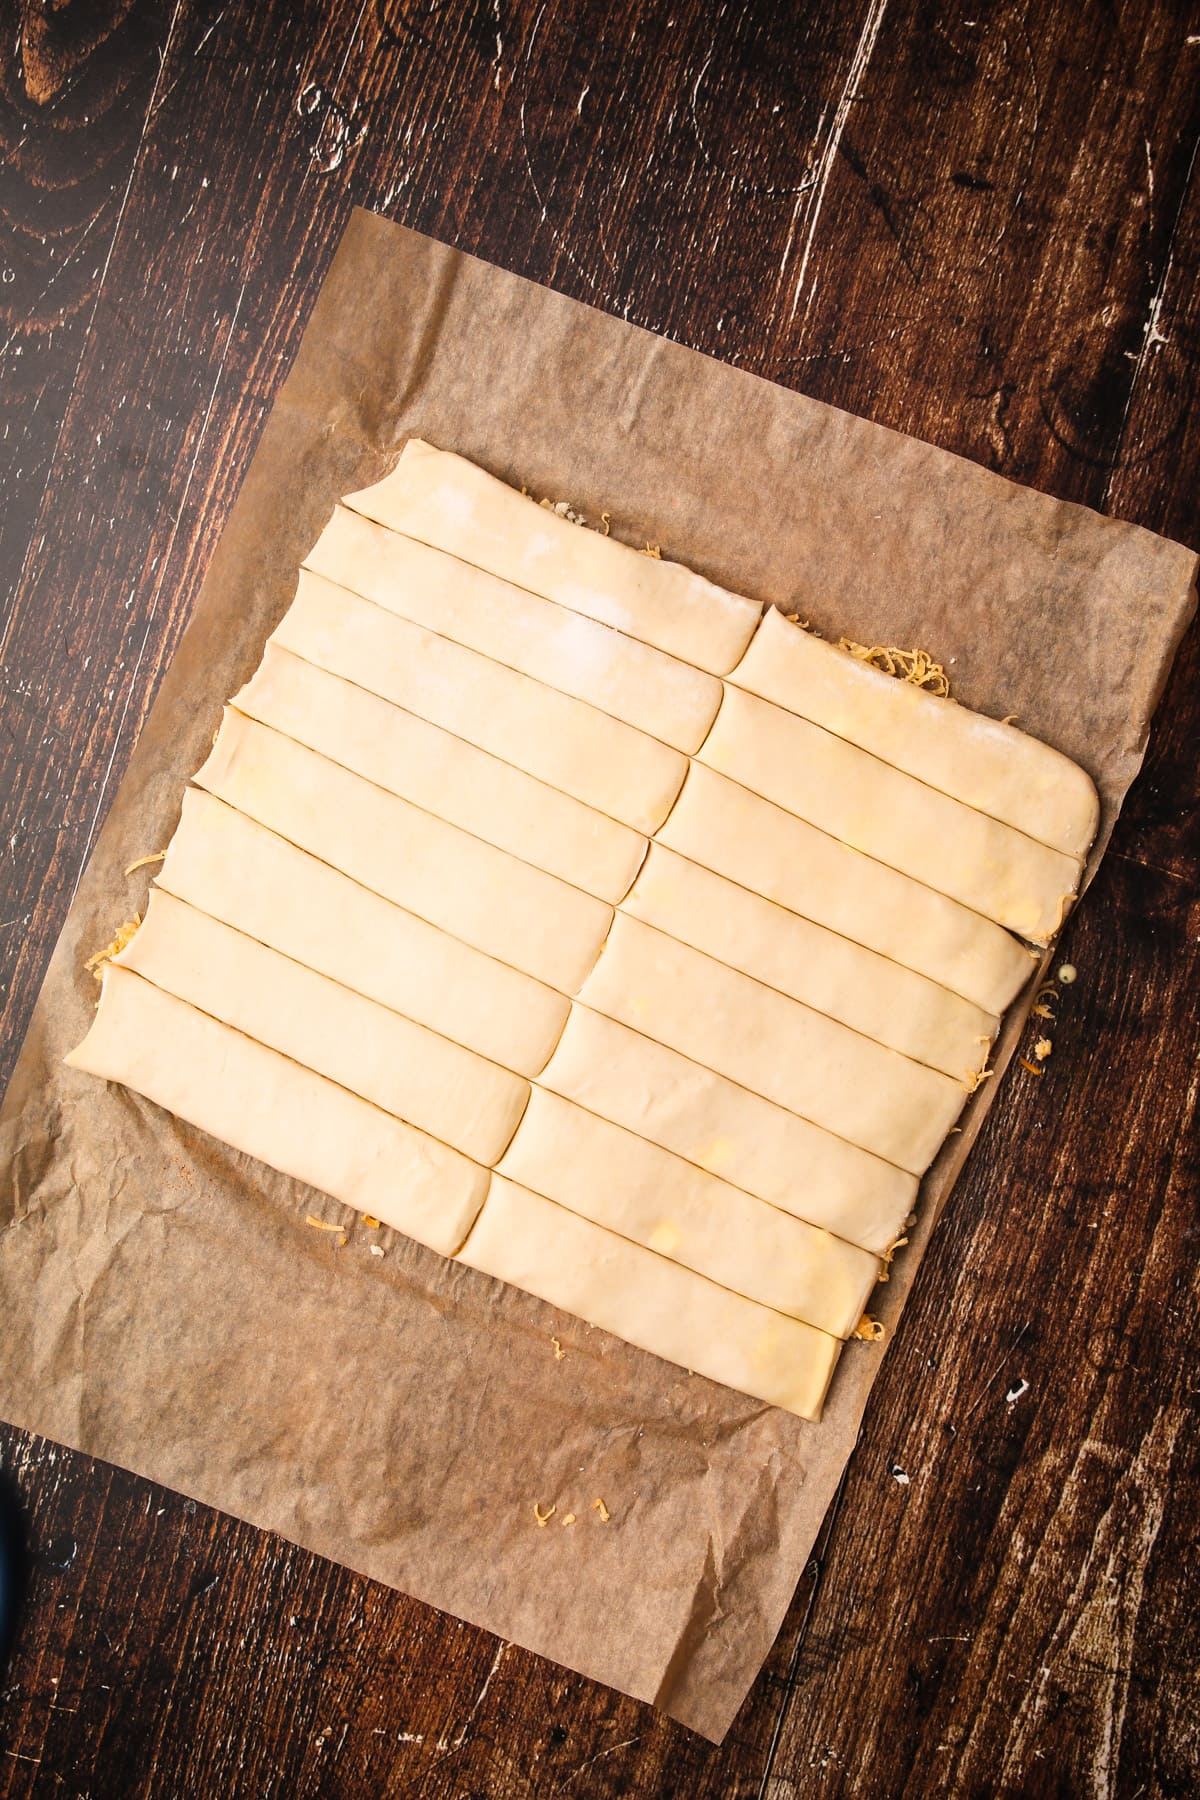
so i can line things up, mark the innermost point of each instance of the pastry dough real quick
(530, 920)
(876, 996)
(234, 869)
(450, 503)
(442, 773)
(987, 764)
(659, 694)
(652, 1303)
(269, 1107)
(987, 865)
(728, 829)
(564, 742)
(656, 1199)
(382, 953)
(408, 1070)
(823, 1071)
(724, 1128)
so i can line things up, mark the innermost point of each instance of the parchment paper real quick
(163, 1304)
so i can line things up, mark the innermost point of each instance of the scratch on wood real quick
(863, 52)
(1100, 1614)
(457, 1742)
(1152, 333)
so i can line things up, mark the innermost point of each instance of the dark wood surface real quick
(980, 224)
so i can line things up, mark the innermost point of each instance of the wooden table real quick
(979, 224)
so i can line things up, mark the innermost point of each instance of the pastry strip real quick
(670, 1100)
(849, 793)
(810, 1064)
(404, 1068)
(876, 996)
(657, 693)
(654, 1304)
(725, 827)
(564, 742)
(444, 774)
(978, 760)
(646, 1194)
(454, 505)
(236, 870)
(269, 1107)
(532, 921)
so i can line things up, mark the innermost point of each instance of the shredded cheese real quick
(872, 1331)
(143, 862)
(598, 1506)
(95, 964)
(559, 1352)
(568, 1518)
(916, 667)
(543, 1518)
(885, 1261)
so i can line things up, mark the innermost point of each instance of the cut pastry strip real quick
(443, 774)
(645, 1193)
(489, 899)
(724, 1128)
(978, 760)
(998, 871)
(564, 742)
(409, 1071)
(725, 827)
(817, 1068)
(234, 869)
(566, 650)
(269, 1107)
(450, 503)
(653, 1304)
(876, 996)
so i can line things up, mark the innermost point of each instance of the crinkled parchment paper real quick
(162, 1302)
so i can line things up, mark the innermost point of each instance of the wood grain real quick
(979, 225)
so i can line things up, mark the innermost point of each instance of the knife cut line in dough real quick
(262, 1103)
(234, 869)
(563, 741)
(892, 816)
(648, 1195)
(666, 1098)
(648, 1301)
(448, 502)
(723, 826)
(533, 921)
(802, 1060)
(833, 974)
(1002, 772)
(618, 674)
(399, 1066)
(442, 773)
